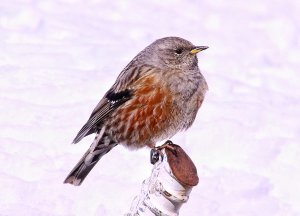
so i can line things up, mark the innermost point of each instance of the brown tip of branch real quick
(182, 166)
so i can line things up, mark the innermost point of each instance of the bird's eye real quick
(178, 51)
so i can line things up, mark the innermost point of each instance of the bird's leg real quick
(167, 145)
(156, 151)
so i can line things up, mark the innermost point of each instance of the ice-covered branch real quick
(172, 179)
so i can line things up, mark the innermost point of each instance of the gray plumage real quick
(156, 95)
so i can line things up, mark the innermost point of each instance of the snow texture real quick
(58, 58)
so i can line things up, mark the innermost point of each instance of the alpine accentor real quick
(156, 95)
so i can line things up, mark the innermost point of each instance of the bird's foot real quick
(156, 151)
(167, 145)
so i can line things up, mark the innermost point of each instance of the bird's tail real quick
(99, 147)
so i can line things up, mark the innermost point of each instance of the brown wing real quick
(105, 107)
(119, 93)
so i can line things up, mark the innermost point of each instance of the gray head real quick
(172, 52)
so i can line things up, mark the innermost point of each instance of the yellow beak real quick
(197, 49)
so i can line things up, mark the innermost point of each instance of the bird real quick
(157, 95)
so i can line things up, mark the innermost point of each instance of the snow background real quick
(58, 58)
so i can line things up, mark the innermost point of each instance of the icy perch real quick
(172, 179)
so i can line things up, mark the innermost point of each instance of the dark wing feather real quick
(120, 92)
(105, 107)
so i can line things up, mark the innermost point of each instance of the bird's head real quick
(174, 52)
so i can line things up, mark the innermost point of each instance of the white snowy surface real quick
(58, 58)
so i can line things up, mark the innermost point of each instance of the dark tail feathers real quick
(87, 162)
